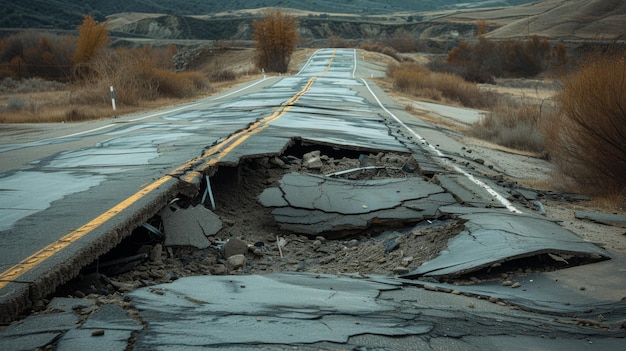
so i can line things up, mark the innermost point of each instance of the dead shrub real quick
(401, 40)
(587, 140)
(276, 36)
(177, 85)
(32, 53)
(222, 75)
(217, 70)
(457, 89)
(336, 41)
(510, 124)
(484, 59)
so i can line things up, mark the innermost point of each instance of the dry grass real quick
(416, 80)
(515, 127)
(510, 124)
(53, 107)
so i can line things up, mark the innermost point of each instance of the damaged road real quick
(316, 217)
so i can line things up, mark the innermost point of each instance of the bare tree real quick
(276, 39)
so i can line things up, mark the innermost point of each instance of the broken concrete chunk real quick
(190, 226)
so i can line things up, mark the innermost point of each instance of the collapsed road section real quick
(325, 182)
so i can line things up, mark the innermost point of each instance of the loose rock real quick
(218, 269)
(312, 160)
(236, 261)
(234, 247)
(156, 253)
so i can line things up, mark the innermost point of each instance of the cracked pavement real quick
(355, 310)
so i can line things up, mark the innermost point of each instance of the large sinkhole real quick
(313, 209)
(384, 244)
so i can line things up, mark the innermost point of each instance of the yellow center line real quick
(38, 257)
(13, 273)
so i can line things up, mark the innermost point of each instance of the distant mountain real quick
(67, 14)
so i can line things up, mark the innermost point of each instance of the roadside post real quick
(112, 98)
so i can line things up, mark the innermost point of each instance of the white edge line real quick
(198, 103)
(434, 150)
(355, 62)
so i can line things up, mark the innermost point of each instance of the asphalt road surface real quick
(71, 194)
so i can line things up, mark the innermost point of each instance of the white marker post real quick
(112, 98)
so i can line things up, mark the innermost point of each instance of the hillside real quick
(67, 14)
(563, 19)
(573, 19)
(194, 20)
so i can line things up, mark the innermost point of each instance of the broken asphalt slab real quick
(316, 204)
(108, 327)
(322, 205)
(311, 312)
(492, 237)
(274, 309)
(314, 311)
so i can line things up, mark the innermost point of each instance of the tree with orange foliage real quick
(276, 39)
(481, 28)
(92, 38)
